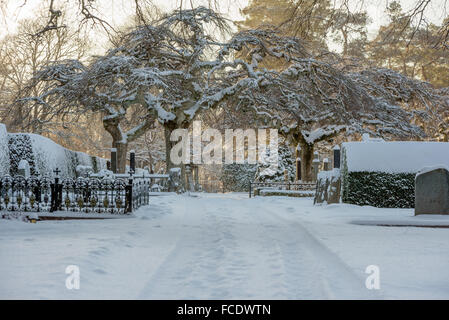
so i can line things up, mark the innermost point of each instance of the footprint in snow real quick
(100, 271)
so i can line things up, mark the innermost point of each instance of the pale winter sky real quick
(117, 11)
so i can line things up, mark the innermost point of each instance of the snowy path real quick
(254, 254)
(215, 247)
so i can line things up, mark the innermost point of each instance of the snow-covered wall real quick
(394, 157)
(42, 154)
(4, 151)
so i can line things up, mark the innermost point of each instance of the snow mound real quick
(395, 156)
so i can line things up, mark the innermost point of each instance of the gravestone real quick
(23, 169)
(326, 164)
(336, 156)
(83, 171)
(432, 191)
(328, 187)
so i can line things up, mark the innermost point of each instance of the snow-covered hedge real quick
(236, 177)
(382, 174)
(44, 155)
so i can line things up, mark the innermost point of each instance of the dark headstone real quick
(114, 160)
(336, 157)
(132, 161)
(432, 192)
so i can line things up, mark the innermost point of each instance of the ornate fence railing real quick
(298, 186)
(115, 195)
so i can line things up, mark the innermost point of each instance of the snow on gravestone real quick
(328, 187)
(432, 191)
(23, 169)
(4, 151)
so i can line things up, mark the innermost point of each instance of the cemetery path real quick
(228, 250)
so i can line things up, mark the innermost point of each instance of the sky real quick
(117, 11)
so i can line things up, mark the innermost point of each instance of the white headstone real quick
(24, 168)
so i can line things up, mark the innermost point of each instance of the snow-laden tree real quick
(313, 101)
(150, 149)
(205, 71)
(173, 69)
(113, 84)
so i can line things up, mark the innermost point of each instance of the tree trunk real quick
(122, 149)
(113, 127)
(168, 129)
(306, 161)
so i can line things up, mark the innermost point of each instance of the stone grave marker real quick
(23, 169)
(432, 191)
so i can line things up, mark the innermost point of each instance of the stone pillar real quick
(114, 160)
(298, 163)
(189, 182)
(315, 168)
(132, 161)
(196, 177)
(336, 156)
(326, 164)
(298, 169)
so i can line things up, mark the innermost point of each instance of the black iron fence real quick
(115, 195)
(297, 186)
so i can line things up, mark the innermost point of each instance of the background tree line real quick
(405, 64)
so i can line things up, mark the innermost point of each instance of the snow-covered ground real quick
(216, 246)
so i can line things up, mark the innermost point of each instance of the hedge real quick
(379, 189)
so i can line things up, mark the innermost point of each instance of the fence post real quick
(132, 160)
(250, 189)
(56, 192)
(129, 194)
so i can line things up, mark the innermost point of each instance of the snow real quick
(4, 151)
(223, 246)
(395, 156)
(316, 135)
(269, 191)
(48, 155)
(23, 164)
(431, 168)
(329, 174)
